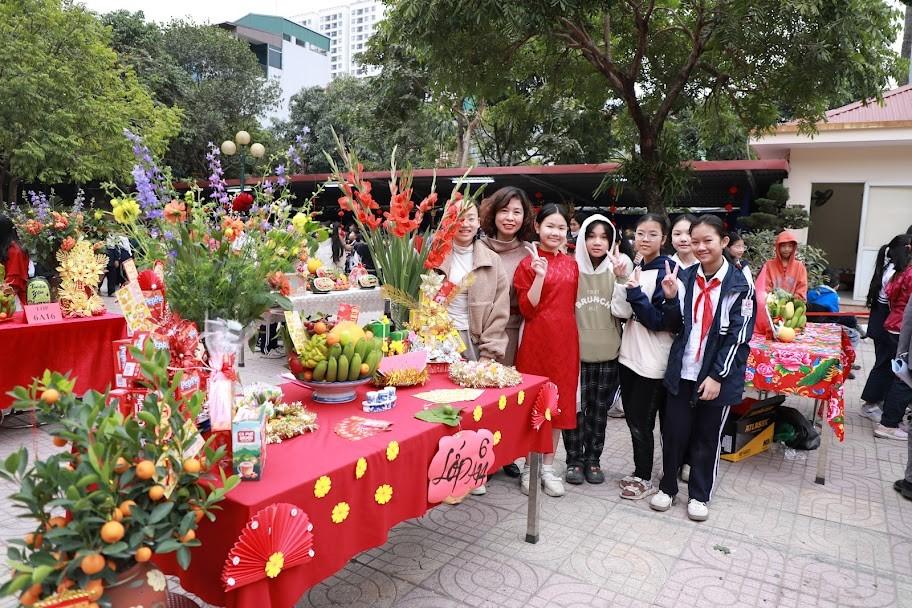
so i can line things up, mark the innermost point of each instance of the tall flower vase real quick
(142, 585)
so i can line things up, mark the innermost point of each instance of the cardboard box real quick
(746, 421)
(248, 443)
(760, 443)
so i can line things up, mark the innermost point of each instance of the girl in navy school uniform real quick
(712, 304)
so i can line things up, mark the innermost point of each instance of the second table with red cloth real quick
(79, 345)
(815, 365)
(294, 467)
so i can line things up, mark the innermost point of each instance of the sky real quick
(208, 11)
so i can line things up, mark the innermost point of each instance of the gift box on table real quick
(749, 428)
(248, 443)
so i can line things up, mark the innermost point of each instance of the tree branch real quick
(607, 34)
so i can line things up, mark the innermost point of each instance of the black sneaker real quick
(594, 474)
(903, 487)
(574, 474)
(512, 470)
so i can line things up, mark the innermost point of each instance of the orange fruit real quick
(117, 515)
(320, 328)
(59, 441)
(30, 596)
(190, 535)
(145, 469)
(64, 585)
(143, 554)
(57, 522)
(192, 465)
(50, 396)
(156, 492)
(121, 465)
(93, 563)
(365, 368)
(95, 588)
(126, 507)
(308, 375)
(112, 565)
(112, 532)
(332, 340)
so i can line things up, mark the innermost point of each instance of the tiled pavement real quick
(774, 537)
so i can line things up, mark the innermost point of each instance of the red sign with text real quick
(36, 314)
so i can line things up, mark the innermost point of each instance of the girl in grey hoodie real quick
(600, 341)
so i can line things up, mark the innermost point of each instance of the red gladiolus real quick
(341, 214)
(345, 203)
(428, 202)
(242, 202)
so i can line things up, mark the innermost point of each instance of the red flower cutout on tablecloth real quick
(545, 407)
(277, 537)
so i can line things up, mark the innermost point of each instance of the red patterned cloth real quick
(815, 365)
(294, 467)
(79, 345)
(550, 340)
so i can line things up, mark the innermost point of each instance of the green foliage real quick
(90, 481)
(761, 246)
(774, 213)
(68, 98)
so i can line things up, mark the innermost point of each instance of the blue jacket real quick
(728, 342)
(648, 312)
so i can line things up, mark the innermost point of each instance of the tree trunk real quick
(649, 188)
(12, 191)
(906, 50)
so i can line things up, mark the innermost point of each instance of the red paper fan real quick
(545, 406)
(275, 539)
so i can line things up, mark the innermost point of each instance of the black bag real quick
(806, 436)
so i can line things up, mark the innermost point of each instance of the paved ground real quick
(774, 537)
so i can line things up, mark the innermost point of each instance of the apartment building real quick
(348, 26)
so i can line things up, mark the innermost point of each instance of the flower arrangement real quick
(401, 250)
(223, 257)
(127, 488)
(44, 226)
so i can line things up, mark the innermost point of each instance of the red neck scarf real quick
(705, 297)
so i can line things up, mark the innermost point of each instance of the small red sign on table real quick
(36, 314)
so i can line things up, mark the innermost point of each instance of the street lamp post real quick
(241, 144)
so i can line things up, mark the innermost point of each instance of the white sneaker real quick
(871, 411)
(886, 432)
(696, 510)
(662, 501)
(479, 491)
(551, 482)
(685, 472)
(524, 480)
(626, 481)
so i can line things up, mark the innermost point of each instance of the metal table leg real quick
(826, 432)
(532, 516)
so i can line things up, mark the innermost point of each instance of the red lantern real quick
(539, 196)
(733, 190)
(725, 224)
(613, 209)
(729, 207)
(611, 192)
(242, 202)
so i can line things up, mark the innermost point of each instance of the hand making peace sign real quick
(539, 264)
(618, 263)
(670, 282)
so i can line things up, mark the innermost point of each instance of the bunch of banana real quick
(352, 362)
(784, 307)
(314, 352)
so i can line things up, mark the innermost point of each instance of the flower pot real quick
(142, 585)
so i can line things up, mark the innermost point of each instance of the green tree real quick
(765, 58)
(906, 50)
(67, 98)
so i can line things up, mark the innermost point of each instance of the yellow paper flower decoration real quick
(274, 564)
(521, 397)
(502, 402)
(476, 413)
(322, 487)
(383, 494)
(548, 414)
(392, 450)
(340, 512)
(497, 436)
(361, 467)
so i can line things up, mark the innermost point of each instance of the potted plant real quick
(122, 489)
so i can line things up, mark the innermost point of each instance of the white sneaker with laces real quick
(661, 501)
(871, 411)
(551, 482)
(886, 432)
(696, 510)
(479, 491)
(685, 472)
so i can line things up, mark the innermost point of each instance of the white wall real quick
(301, 68)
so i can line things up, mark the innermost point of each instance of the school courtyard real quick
(774, 537)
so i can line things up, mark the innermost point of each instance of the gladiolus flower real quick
(242, 202)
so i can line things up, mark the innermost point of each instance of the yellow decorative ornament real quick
(476, 413)
(497, 437)
(548, 414)
(274, 564)
(502, 402)
(392, 451)
(322, 486)
(340, 512)
(80, 271)
(383, 494)
(360, 468)
(520, 397)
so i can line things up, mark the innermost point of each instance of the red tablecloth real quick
(815, 365)
(81, 346)
(294, 466)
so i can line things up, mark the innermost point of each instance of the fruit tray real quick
(333, 393)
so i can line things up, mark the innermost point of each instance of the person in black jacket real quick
(713, 307)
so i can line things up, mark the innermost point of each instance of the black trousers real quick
(697, 431)
(644, 398)
(881, 377)
(898, 394)
(598, 384)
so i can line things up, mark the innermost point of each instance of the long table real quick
(81, 346)
(370, 302)
(294, 467)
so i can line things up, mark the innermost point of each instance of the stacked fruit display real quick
(7, 298)
(788, 314)
(336, 352)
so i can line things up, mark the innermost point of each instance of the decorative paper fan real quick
(545, 405)
(278, 537)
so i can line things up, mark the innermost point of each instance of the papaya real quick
(331, 370)
(342, 375)
(320, 371)
(354, 368)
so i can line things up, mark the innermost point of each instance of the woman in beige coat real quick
(480, 312)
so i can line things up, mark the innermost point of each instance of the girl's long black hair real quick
(338, 247)
(8, 236)
(895, 252)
